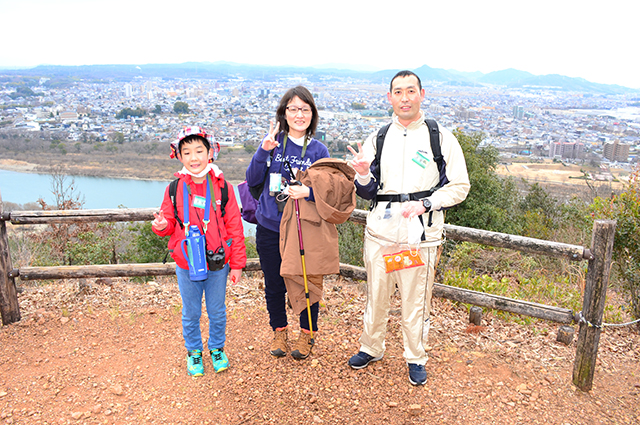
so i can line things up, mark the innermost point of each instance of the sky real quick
(592, 40)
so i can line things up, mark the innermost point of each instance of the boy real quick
(199, 202)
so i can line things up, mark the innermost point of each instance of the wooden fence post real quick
(595, 292)
(9, 307)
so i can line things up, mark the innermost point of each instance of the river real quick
(98, 192)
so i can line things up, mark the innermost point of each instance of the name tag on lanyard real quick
(199, 202)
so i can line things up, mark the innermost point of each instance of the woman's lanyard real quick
(304, 148)
(186, 205)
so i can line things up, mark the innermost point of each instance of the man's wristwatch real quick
(426, 203)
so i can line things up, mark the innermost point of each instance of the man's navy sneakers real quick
(417, 374)
(362, 360)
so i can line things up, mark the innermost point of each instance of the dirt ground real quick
(110, 351)
(550, 172)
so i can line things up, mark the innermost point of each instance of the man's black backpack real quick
(173, 189)
(434, 136)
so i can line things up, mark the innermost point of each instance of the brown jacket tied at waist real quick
(335, 199)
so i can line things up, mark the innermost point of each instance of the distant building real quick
(616, 151)
(374, 113)
(128, 90)
(68, 116)
(518, 112)
(570, 150)
(465, 114)
(321, 135)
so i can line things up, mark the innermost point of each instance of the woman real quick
(288, 146)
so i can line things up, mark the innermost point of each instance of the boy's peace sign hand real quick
(269, 142)
(359, 162)
(159, 223)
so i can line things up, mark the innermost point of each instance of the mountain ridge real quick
(222, 70)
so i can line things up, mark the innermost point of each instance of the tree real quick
(625, 209)
(181, 108)
(492, 200)
(58, 236)
(128, 112)
(157, 110)
(22, 91)
(117, 137)
(540, 213)
(64, 190)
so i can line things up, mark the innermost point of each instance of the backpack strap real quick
(434, 139)
(434, 136)
(382, 133)
(173, 189)
(224, 197)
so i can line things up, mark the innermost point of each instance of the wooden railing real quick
(599, 256)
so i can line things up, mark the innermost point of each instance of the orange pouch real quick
(402, 260)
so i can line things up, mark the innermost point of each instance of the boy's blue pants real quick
(214, 289)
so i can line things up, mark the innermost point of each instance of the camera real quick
(215, 259)
(280, 203)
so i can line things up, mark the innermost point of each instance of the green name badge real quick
(421, 159)
(199, 202)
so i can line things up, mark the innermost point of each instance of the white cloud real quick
(578, 39)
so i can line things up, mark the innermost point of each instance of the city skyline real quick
(566, 38)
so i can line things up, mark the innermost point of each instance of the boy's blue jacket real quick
(267, 212)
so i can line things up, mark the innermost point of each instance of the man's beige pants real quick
(415, 286)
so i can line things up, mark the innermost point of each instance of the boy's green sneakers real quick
(219, 359)
(194, 363)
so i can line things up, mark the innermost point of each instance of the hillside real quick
(111, 351)
(132, 160)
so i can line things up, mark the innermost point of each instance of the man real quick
(407, 215)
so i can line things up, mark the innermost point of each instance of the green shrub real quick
(95, 246)
(350, 243)
(250, 246)
(146, 246)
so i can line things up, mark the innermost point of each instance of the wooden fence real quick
(599, 256)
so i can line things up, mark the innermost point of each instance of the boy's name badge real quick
(421, 159)
(199, 201)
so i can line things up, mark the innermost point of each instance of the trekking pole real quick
(304, 267)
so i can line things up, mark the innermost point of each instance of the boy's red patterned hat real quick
(196, 131)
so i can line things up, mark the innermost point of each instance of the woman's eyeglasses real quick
(294, 110)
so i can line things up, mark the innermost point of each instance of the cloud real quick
(577, 39)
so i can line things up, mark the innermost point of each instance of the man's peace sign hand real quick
(359, 162)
